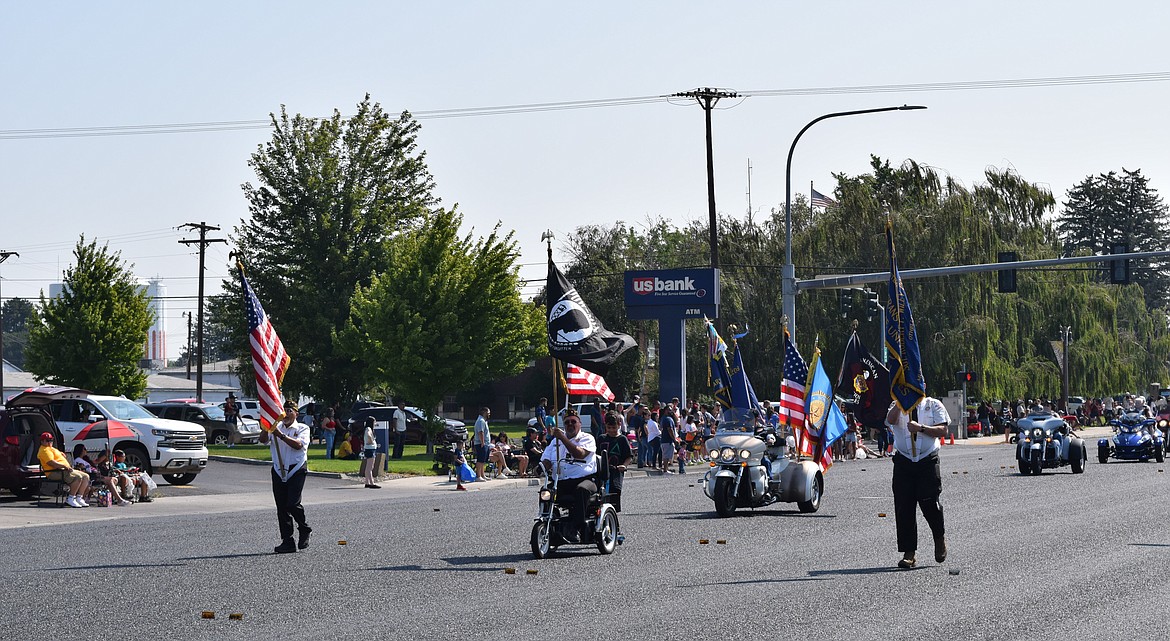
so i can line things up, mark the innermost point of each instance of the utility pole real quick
(203, 242)
(707, 99)
(189, 335)
(4, 255)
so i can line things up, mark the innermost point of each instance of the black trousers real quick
(399, 442)
(616, 479)
(578, 491)
(288, 502)
(917, 486)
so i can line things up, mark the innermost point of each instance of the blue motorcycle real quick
(1135, 438)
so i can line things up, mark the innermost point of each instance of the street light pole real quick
(707, 98)
(4, 255)
(788, 272)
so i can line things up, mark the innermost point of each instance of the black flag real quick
(574, 333)
(864, 383)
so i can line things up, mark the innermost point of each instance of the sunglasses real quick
(572, 421)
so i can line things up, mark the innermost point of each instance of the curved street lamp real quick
(788, 273)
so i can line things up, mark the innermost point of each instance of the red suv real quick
(22, 420)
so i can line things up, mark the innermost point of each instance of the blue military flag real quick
(717, 373)
(907, 385)
(824, 421)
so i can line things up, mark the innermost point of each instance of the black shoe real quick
(907, 561)
(303, 541)
(373, 486)
(285, 547)
(940, 549)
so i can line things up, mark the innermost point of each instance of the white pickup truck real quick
(175, 449)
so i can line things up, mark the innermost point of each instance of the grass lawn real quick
(415, 459)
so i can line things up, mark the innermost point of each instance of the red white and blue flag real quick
(268, 358)
(792, 387)
(820, 200)
(581, 381)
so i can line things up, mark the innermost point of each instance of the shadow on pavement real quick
(479, 560)
(791, 580)
(862, 571)
(1152, 545)
(242, 555)
(113, 566)
(419, 568)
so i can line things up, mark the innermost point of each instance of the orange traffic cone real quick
(952, 440)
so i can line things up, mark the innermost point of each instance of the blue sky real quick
(87, 64)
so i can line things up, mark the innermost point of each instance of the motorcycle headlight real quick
(1037, 434)
(545, 495)
(1162, 424)
(727, 455)
(745, 454)
(713, 453)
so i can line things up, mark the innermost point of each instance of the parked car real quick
(22, 421)
(248, 408)
(218, 430)
(175, 449)
(584, 411)
(415, 433)
(1074, 404)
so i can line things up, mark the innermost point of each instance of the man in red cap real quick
(56, 467)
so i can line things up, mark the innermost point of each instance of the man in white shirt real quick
(289, 444)
(917, 475)
(398, 424)
(572, 454)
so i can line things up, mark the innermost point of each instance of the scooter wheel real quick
(541, 540)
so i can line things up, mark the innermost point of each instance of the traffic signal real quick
(1119, 269)
(872, 306)
(1007, 277)
(965, 378)
(845, 301)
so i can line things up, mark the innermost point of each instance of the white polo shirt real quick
(293, 459)
(399, 418)
(570, 467)
(931, 412)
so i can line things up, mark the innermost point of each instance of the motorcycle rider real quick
(575, 454)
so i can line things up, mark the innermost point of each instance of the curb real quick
(253, 461)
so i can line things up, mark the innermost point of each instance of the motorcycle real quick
(1135, 438)
(1044, 441)
(555, 526)
(750, 470)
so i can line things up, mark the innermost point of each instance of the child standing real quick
(682, 459)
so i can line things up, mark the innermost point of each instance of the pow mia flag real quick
(574, 333)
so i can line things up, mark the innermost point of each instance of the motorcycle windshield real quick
(737, 420)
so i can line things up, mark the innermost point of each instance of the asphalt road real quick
(1051, 557)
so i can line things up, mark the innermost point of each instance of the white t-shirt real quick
(931, 412)
(572, 468)
(292, 459)
(652, 431)
(399, 418)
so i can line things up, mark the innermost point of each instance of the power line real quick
(538, 107)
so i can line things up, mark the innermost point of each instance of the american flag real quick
(792, 386)
(820, 200)
(580, 381)
(268, 358)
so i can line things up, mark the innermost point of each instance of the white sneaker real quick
(124, 503)
(71, 501)
(81, 502)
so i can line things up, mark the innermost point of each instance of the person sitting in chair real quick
(57, 468)
(572, 455)
(134, 474)
(81, 462)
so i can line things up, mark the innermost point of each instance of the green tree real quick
(330, 195)
(18, 313)
(92, 336)
(446, 315)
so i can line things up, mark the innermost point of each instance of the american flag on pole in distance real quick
(820, 200)
(268, 358)
(792, 386)
(581, 381)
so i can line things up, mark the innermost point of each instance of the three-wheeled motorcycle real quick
(1047, 441)
(750, 468)
(1135, 438)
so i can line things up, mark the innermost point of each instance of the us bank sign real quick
(672, 293)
